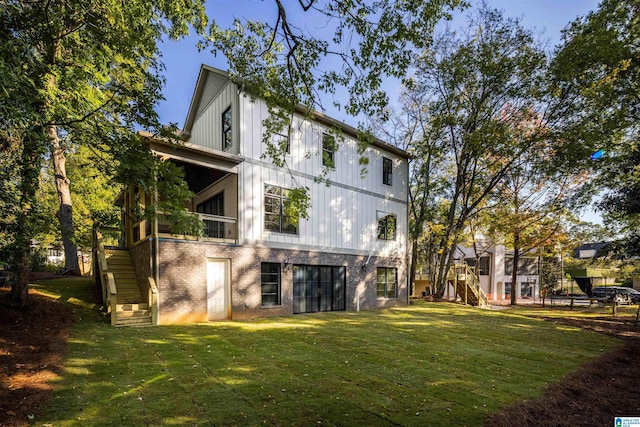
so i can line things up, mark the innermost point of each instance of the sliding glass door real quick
(318, 288)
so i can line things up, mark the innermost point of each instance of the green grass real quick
(435, 364)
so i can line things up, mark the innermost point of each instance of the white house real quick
(494, 268)
(255, 261)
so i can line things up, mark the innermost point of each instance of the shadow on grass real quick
(424, 364)
(78, 291)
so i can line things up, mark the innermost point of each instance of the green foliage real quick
(9, 188)
(297, 204)
(81, 73)
(281, 62)
(598, 66)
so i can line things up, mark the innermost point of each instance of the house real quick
(254, 261)
(475, 278)
(589, 250)
(494, 267)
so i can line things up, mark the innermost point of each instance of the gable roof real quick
(211, 82)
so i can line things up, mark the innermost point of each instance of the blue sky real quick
(182, 59)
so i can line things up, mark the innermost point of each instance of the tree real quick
(288, 66)
(93, 193)
(598, 64)
(531, 204)
(480, 86)
(85, 73)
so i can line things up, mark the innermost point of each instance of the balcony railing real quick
(216, 227)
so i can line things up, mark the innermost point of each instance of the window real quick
(387, 227)
(387, 278)
(328, 150)
(526, 266)
(213, 206)
(483, 267)
(275, 217)
(270, 283)
(387, 171)
(227, 134)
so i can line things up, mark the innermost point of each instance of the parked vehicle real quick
(620, 294)
(635, 295)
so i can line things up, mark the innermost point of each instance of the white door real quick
(218, 289)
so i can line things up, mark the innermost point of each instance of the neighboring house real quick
(254, 260)
(589, 250)
(494, 268)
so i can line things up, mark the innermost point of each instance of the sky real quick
(182, 59)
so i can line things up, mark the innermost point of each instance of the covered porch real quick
(213, 178)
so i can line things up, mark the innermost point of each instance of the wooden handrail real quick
(153, 300)
(471, 282)
(107, 281)
(113, 297)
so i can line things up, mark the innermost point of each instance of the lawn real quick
(435, 364)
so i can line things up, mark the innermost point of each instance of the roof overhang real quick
(191, 153)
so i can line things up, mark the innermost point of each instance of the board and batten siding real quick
(343, 215)
(207, 127)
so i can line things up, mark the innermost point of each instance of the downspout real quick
(156, 246)
(155, 255)
(406, 239)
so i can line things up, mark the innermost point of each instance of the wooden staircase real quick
(467, 286)
(131, 307)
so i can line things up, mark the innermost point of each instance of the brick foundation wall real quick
(141, 259)
(182, 286)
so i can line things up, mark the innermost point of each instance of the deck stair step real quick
(467, 285)
(130, 308)
(133, 314)
(120, 264)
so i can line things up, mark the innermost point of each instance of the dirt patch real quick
(601, 390)
(32, 344)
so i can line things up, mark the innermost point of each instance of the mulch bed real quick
(32, 344)
(33, 340)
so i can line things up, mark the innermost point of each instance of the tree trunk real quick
(20, 286)
(514, 274)
(413, 266)
(445, 262)
(29, 174)
(65, 213)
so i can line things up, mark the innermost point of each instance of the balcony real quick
(216, 228)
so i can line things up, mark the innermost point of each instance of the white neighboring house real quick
(494, 269)
(254, 261)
